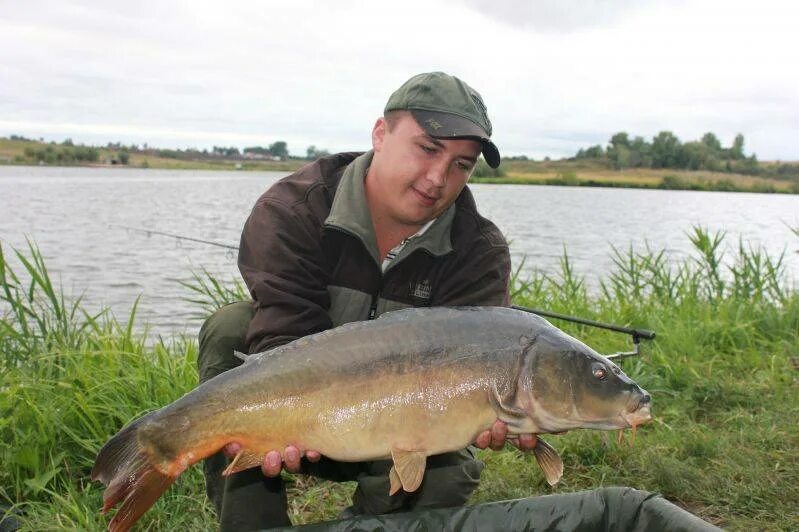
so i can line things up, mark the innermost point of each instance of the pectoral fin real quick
(245, 459)
(408, 469)
(549, 460)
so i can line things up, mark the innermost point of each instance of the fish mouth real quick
(639, 416)
(638, 409)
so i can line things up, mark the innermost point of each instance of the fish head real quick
(564, 384)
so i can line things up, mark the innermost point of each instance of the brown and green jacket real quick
(309, 257)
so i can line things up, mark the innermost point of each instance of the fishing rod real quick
(150, 232)
(637, 334)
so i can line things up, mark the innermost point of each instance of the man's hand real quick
(273, 462)
(496, 436)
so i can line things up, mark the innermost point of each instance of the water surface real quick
(75, 214)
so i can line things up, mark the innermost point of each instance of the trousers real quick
(248, 500)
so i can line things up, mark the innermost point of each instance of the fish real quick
(410, 384)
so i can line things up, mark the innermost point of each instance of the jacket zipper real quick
(376, 298)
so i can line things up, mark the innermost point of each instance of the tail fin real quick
(124, 467)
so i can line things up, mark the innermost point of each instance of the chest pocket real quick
(348, 305)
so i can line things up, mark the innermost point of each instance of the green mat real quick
(609, 509)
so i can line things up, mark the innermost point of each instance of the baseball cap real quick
(446, 108)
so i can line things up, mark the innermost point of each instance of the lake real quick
(75, 215)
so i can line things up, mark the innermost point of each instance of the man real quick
(348, 238)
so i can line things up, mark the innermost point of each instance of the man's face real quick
(414, 177)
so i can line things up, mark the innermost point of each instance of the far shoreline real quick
(589, 177)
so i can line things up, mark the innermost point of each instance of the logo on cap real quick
(433, 123)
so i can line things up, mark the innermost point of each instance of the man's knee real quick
(449, 480)
(223, 333)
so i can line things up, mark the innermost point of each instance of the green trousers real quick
(250, 501)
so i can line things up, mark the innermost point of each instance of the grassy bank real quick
(586, 174)
(32, 152)
(723, 373)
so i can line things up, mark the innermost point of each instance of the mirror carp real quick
(410, 384)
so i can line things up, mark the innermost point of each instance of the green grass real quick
(723, 373)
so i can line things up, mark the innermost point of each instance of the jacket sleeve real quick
(480, 277)
(283, 266)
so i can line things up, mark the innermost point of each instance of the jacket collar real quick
(350, 213)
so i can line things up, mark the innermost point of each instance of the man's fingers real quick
(483, 439)
(313, 456)
(496, 437)
(527, 442)
(499, 431)
(231, 449)
(292, 459)
(272, 465)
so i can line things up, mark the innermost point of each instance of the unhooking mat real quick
(604, 509)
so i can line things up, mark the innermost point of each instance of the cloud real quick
(556, 76)
(555, 15)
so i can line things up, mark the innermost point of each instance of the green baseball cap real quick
(446, 108)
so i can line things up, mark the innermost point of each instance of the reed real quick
(722, 372)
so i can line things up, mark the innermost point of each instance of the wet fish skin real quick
(408, 385)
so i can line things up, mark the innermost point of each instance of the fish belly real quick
(365, 417)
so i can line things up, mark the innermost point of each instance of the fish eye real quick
(600, 372)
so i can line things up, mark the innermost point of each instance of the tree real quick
(665, 150)
(711, 141)
(595, 152)
(279, 149)
(737, 150)
(640, 153)
(693, 155)
(225, 151)
(259, 150)
(619, 150)
(623, 157)
(620, 139)
(312, 153)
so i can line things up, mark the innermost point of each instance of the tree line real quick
(276, 150)
(67, 152)
(667, 151)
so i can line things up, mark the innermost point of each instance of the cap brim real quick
(448, 126)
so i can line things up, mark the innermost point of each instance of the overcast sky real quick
(556, 75)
